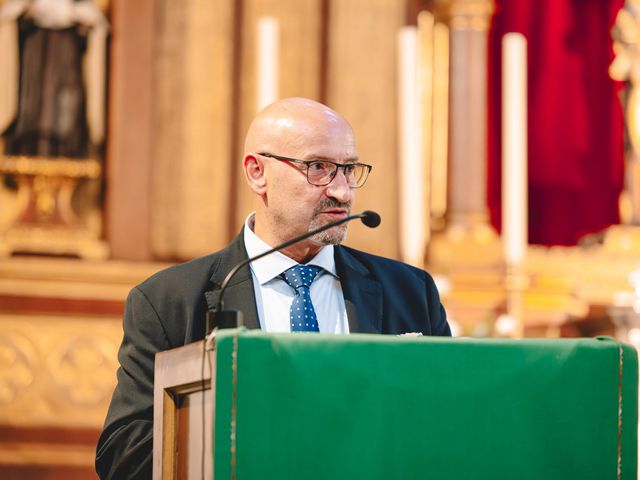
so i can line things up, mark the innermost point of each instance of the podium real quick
(183, 413)
(316, 406)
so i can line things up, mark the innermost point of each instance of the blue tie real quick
(302, 316)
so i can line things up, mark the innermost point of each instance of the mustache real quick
(330, 203)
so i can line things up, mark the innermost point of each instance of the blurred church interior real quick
(121, 130)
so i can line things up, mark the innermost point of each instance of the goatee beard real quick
(335, 235)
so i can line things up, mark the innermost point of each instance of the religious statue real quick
(52, 125)
(626, 67)
(44, 112)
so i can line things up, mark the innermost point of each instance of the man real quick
(301, 163)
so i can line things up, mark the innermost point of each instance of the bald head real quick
(291, 124)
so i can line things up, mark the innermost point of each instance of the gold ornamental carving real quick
(465, 14)
(78, 368)
(56, 370)
(52, 206)
(17, 367)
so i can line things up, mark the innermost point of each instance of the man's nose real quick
(339, 188)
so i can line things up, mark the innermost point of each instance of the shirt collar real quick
(267, 268)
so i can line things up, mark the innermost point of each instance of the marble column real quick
(467, 238)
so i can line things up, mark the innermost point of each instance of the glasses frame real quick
(308, 163)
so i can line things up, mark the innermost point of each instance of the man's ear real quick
(255, 174)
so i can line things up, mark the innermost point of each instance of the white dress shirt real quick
(274, 296)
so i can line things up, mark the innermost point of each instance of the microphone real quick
(370, 219)
(233, 318)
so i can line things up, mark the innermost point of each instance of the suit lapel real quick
(362, 294)
(239, 294)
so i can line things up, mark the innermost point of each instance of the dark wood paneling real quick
(55, 470)
(47, 473)
(59, 436)
(58, 306)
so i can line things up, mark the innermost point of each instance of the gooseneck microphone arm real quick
(366, 219)
(369, 218)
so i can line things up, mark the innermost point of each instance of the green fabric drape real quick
(317, 406)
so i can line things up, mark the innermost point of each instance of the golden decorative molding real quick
(82, 369)
(623, 240)
(594, 274)
(61, 369)
(556, 285)
(17, 374)
(54, 241)
(464, 14)
(463, 246)
(103, 273)
(55, 207)
(52, 166)
(61, 330)
(43, 277)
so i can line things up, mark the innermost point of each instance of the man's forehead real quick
(302, 131)
(301, 126)
(283, 123)
(300, 119)
(327, 143)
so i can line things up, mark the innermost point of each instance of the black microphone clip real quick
(223, 319)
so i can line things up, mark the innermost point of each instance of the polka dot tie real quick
(302, 316)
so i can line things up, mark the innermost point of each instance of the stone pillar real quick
(467, 239)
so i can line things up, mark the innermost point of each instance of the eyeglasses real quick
(322, 172)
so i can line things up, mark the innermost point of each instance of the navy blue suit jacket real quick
(168, 310)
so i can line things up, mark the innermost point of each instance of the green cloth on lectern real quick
(387, 407)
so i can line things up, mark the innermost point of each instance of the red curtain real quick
(574, 113)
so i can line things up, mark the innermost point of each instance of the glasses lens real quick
(356, 174)
(321, 173)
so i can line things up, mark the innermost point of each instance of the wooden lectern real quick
(182, 442)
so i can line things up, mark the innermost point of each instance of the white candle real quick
(412, 197)
(514, 147)
(268, 60)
